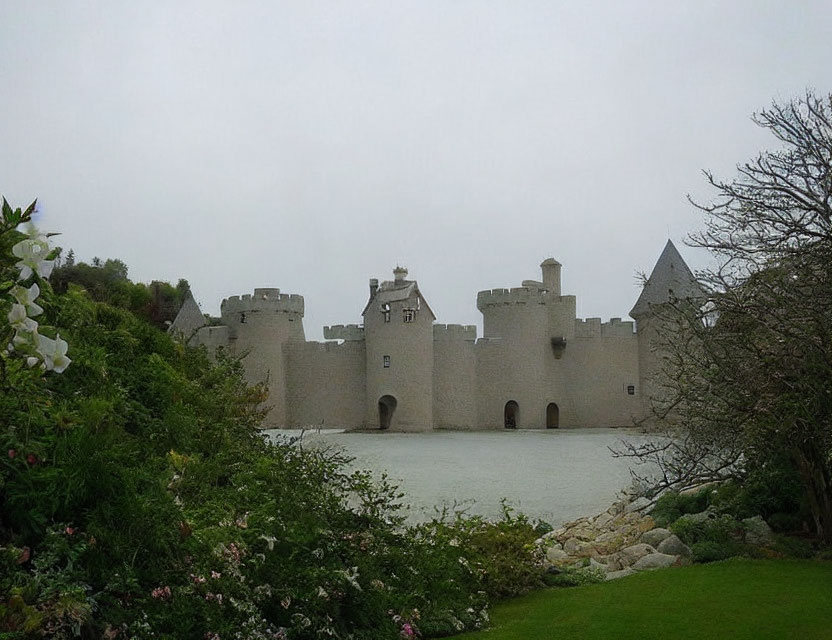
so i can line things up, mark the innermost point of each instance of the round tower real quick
(259, 326)
(398, 335)
(512, 378)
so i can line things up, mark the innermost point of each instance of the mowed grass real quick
(735, 599)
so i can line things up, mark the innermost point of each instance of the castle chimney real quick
(399, 274)
(373, 287)
(551, 275)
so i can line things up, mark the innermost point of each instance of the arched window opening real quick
(511, 414)
(552, 416)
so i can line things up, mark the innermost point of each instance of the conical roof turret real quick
(188, 320)
(671, 279)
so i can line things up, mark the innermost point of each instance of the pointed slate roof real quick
(188, 320)
(670, 277)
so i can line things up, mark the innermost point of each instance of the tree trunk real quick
(815, 474)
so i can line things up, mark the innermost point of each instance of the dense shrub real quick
(576, 577)
(138, 499)
(672, 505)
(709, 551)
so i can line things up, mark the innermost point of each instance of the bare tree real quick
(747, 370)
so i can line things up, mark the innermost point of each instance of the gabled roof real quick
(188, 320)
(396, 292)
(671, 277)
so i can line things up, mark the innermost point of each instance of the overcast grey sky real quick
(313, 145)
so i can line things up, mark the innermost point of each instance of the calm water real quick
(556, 476)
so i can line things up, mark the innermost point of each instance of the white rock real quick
(637, 505)
(655, 536)
(555, 556)
(623, 573)
(655, 561)
(630, 555)
(673, 546)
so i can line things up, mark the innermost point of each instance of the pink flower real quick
(12, 453)
(69, 531)
(161, 593)
(407, 630)
(215, 575)
(32, 459)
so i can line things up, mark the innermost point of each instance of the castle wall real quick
(325, 384)
(212, 338)
(598, 367)
(454, 377)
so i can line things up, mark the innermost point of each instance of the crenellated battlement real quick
(594, 328)
(263, 300)
(514, 296)
(348, 332)
(448, 332)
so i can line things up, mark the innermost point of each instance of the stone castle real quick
(537, 366)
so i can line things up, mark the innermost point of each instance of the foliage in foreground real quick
(138, 500)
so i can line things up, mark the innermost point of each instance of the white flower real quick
(53, 353)
(31, 361)
(32, 254)
(27, 298)
(20, 321)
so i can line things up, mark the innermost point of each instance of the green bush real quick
(672, 505)
(793, 547)
(576, 577)
(720, 530)
(709, 551)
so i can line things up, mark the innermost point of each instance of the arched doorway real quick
(552, 416)
(511, 415)
(386, 407)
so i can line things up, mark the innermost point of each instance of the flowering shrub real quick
(139, 500)
(21, 287)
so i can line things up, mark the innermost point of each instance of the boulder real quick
(630, 555)
(673, 546)
(623, 573)
(655, 561)
(584, 533)
(757, 530)
(697, 518)
(602, 520)
(639, 504)
(594, 564)
(655, 536)
(573, 546)
(556, 555)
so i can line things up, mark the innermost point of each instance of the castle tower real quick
(515, 347)
(398, 330)
(259, 327)
(671, 279)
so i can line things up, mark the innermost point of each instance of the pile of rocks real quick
(620, 541)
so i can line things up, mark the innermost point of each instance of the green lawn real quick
(733, 600)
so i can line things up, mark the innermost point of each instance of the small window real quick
(409, 315)
(385, 309)
(631, 389)
(386, 362)
(242, 318)
(418, 303)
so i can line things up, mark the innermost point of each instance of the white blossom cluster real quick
(32, 253)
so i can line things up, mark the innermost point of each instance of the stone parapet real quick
(594, 328)
(263, 300)
(455, 332)
(514, 296)
(346, 332)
